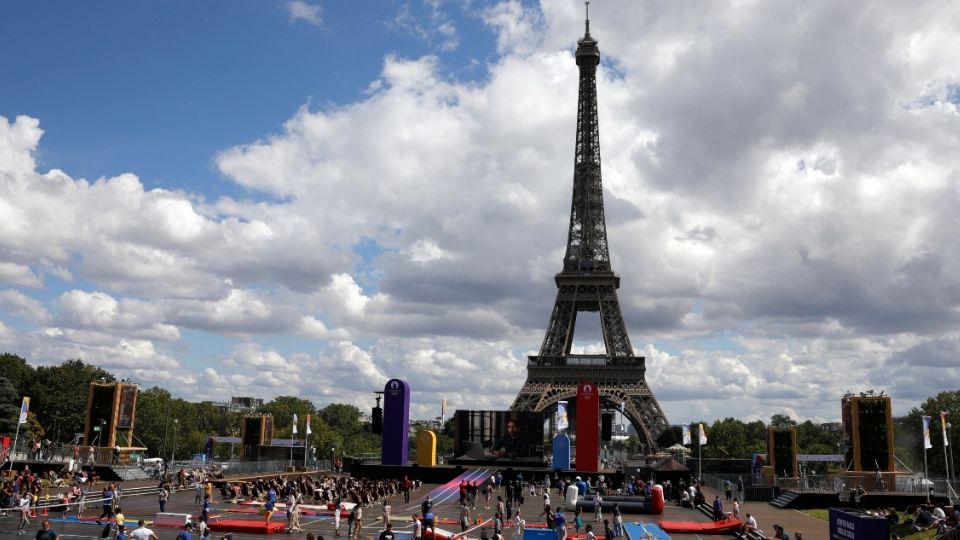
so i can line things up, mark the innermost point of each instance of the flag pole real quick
(22, 419)
(14, 447)
(946, 460)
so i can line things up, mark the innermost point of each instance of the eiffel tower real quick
(588, 283)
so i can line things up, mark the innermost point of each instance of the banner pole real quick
(14, 447)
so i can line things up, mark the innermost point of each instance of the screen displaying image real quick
(499, 435)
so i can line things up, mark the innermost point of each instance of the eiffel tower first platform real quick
(588, 283)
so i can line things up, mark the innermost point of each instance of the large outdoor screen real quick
(509, 435)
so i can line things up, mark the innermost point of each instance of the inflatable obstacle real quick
(628, 505)
(727, 525)
(645, 531)
(247, 526)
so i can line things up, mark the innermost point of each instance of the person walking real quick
(598, 508)
(24, 506)
(560, 524)
(107, 495)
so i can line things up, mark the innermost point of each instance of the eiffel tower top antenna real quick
(587, 34)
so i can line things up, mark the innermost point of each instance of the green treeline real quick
(59, 395)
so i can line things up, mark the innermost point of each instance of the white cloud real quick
(303, 11)
(21, 305)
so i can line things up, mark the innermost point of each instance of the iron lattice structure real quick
(588, 283)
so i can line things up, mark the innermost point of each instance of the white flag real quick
(24, 409)
(926, 433)
(943, 424)
(308, 430)
(686, 435)
(294, 423)
(703, 436)
(562, 420)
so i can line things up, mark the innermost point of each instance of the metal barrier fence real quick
(750, 492)
(888, 483)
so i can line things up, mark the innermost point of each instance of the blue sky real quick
(310, 198)
(160, 87)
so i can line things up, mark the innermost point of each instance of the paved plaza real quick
(445, 507)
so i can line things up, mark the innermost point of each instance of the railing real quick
(886, 483)
(750, 492)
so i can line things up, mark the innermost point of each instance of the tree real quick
(782, 420)
(59, 396)
(283, 408)
(944, 401)
(17, 371)
(9, 407)
(32, 430)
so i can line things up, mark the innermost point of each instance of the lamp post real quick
(173, 452)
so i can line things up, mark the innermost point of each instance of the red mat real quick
(247, 526)
(724, 526)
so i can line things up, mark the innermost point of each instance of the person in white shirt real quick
(417, 528)
(142, 533)
(24, 506)
(750, 524)
(519, 526)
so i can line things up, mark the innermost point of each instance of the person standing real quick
(717, 508)
(386, 512)
(728, 490)
(351, 519)
(107, 495)
(163, 496)
(617, 520)
(407, 485)
(46, 533)
(598, 508)
(417, 528)
(560, 524)
(271, 503)
(358, 524)
(740, 487)
(185, 533)
(464, 517)
(337, 508)
(142, 532)
(519, 525)
(296, 511)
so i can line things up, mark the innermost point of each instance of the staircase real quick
(131, 473)
(785, 499)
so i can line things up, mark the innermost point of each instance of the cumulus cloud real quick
(303, 11)
(781, 205)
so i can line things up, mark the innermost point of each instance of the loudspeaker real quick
(606, 427)
(251, 433)
(376, 420)
(869, 429)
(782, 451)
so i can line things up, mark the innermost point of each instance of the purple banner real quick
(396, 422)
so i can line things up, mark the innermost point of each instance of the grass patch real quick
(820, 513)
(906, 532)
